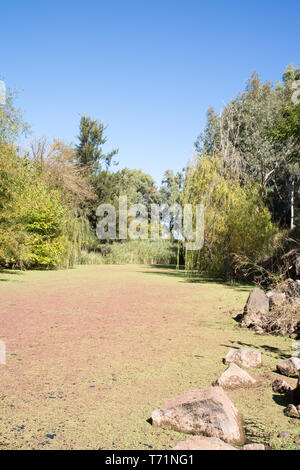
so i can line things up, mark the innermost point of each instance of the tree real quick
(139, 187)
(241, 136)
(171, 187)
(12, 124)
(236, 223)
(89, 151)
(57, 160)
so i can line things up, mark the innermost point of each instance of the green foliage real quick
(236, 222)
(171, 187)
(37, 227)
(139, 187)
(132, 252)
(288, 126)
(241, 137)
(91, 140)
(32, 214)
(12, 124)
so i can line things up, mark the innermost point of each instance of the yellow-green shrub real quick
(236, 222)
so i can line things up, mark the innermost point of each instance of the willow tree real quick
(240, 135)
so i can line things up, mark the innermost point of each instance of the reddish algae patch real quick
(93, 350)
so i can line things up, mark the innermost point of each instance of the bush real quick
(236, 222)
(132, 252)
(33, 217)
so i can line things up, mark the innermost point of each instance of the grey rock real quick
(207, 412)
(257, 305)
(289, 367)
(244, 357)
(235, 377)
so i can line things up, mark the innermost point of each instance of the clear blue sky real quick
(149, 69)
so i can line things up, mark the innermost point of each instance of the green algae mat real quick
(91, 351)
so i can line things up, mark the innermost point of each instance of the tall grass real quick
(132, 252)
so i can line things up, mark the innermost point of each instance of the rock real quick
(289, 287)
(276, 299)
(254, 447)
(289, 367)
(281, 386)
(257, 305)
(207, 412)
(203, 443)
(292, 260)
(292, 411)
(244, 357)
(235, 377)
(296, 345)
(292, 288)
(259, 330)
(284, 434)
(297, 441)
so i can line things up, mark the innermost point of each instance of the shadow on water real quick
(281, 400)
(5, 274)
(192, 277)
(266, 348)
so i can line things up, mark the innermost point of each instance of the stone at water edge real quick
(289, 367)
(207, 412)
(254, 447)
(257, 305)
(244, 357)
(235, 377)
(281, 386)
(203, 443)
(292, 411)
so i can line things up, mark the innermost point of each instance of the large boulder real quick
(207, 412)
(256, 306)
(235, 377)
(203, 443)
(244, 357)
(289, 367)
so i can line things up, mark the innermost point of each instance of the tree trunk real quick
(292, 202)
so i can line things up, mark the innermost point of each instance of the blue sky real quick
(148, 69)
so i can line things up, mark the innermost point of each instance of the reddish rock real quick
(289, 367)
(292, 411)
(281, 386)
(207, 412)
(257, 305)
(203, 443)
(235, 377)
(244, 357)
